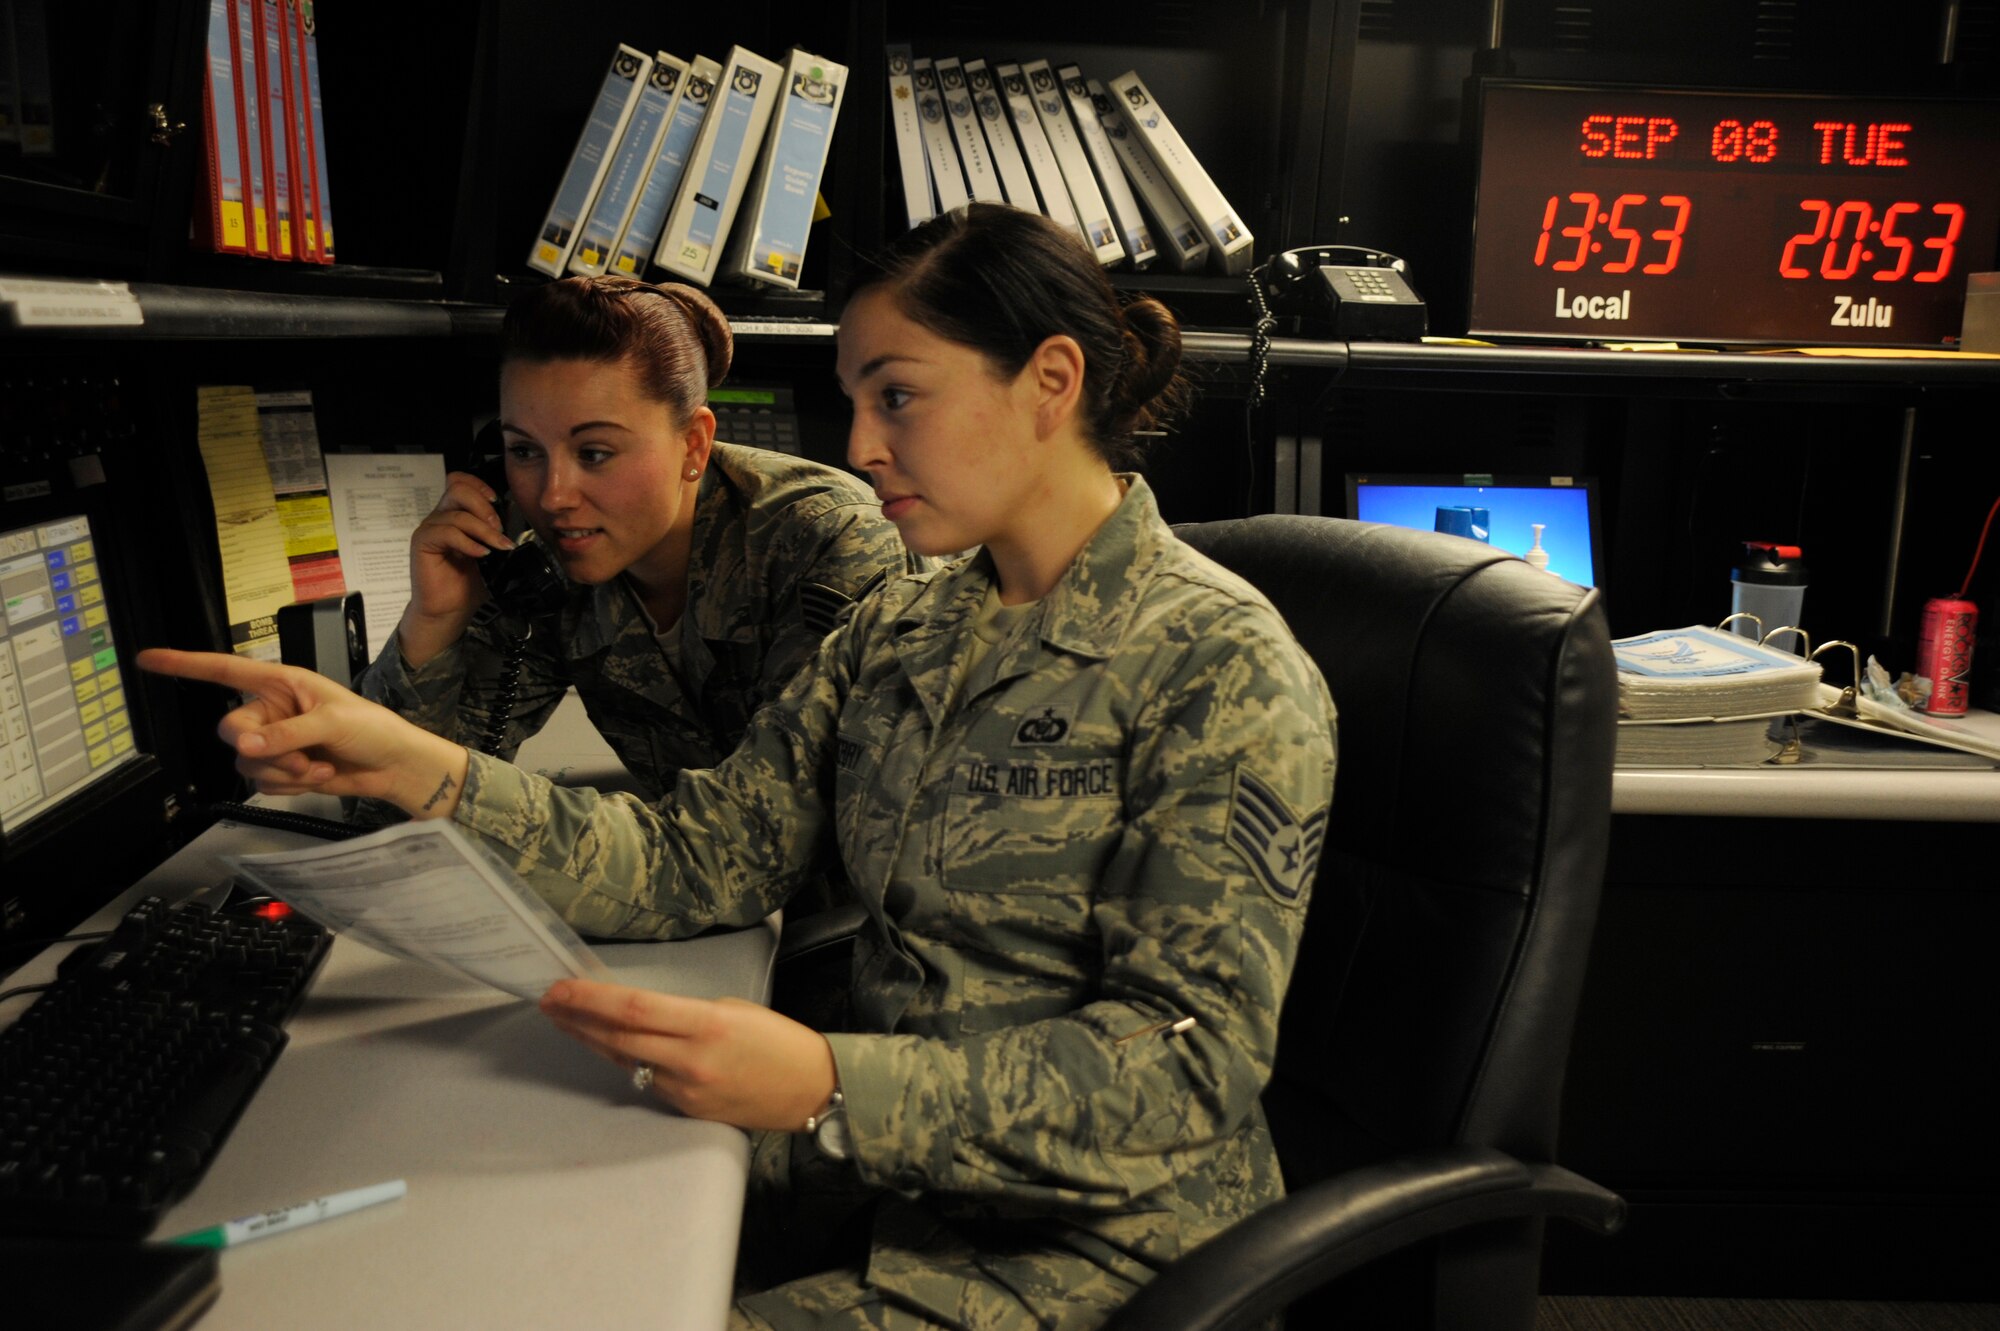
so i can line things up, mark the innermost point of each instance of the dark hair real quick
(1003, 280)
(680, 343)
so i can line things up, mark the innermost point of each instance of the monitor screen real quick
(65, 723)
(1565, 507)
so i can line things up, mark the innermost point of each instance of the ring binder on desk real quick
(1704, 697)
(1707, 697)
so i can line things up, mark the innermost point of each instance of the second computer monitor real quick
(1565, 507)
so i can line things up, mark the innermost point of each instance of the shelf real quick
(1599, 369)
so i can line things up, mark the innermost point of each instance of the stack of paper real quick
(1697, 697)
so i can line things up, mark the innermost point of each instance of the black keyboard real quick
(121, 1083)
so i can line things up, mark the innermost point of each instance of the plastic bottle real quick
(1769, 581)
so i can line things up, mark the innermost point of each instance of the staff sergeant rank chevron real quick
(1282, 851)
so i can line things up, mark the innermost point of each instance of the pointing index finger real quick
(235, 672)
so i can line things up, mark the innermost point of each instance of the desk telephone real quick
(526, 580)
(1313, 291)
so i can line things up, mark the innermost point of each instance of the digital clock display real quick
(1609, 213)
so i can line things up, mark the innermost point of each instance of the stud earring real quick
(693, 472)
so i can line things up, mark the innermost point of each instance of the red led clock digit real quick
(1618, 213)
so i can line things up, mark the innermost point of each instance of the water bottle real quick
(1769, 581)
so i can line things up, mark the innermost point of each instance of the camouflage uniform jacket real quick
(779, 547)
(1118, 831)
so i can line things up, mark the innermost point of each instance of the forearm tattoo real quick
(444, 789)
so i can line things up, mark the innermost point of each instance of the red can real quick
(1944, 653)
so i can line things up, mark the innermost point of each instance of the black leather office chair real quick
(1423, 1041)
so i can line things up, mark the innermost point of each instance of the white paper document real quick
(427, 892)
(378, 500)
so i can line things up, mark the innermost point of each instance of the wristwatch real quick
(829, 1127)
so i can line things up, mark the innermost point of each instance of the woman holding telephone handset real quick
(1078, 780)
(696, 576)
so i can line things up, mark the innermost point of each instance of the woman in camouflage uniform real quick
(1079, 781)
(701, 574)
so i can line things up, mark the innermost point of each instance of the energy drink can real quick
(1944, 653)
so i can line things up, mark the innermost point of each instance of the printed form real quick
(426, 892)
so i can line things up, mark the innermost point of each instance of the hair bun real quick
(1149, 390)
(718, 343)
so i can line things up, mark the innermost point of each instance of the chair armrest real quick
(819, 931)
(1266, 1261)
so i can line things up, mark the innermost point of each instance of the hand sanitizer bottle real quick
(1536, 556)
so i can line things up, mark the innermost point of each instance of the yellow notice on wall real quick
(256, 577)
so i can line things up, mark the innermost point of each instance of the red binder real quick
(250, 121)
(219, 216)
(276, 128)
(316, 119)
(298, 138)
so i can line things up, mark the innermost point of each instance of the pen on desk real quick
(1160, 1028)
(232, 1232)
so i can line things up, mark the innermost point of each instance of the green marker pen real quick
(232, 1232)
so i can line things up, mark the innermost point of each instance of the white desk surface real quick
(543, 1191)
(1943, 795)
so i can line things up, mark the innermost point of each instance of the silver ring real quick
(642, 1077)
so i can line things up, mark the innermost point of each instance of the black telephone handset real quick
(526, 580)
(1342, 291)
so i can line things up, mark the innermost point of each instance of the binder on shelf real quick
(1091, 212)
(634, 249)
(999, 129)
(309, 45)
(1132, 228)
(250, 116)
(771, 245)
(1035, 150)
(298, 136)
(982, 182)
(912, 169)
(719, 169)
(631, 162)
(947, 178)
(1229, 238)
(272, 112)
(1175, 234)
(219, 220)
(589, 159)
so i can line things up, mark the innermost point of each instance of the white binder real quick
(911, 166)
(1230, 239)
(1175, 234)
(770, 246)
(634, 247)
(630, 165)
(1092, 214)
(946, 175)
(1035, 150)
(998, 126)
(719, 169)
(1125, 213)
(982, 182)
(590, 159)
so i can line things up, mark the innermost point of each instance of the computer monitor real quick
(1565, 506)
(65, 721)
